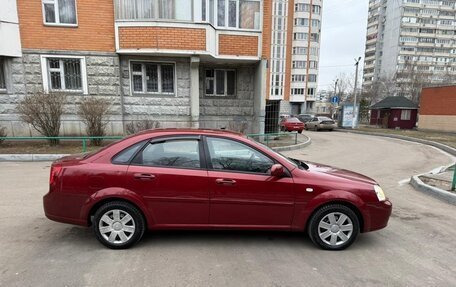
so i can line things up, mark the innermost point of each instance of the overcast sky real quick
(343, 34)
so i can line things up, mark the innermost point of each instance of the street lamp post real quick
(355, 112)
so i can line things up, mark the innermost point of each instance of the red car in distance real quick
(291, 124)
(209, 179)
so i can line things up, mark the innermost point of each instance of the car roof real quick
(189, 131)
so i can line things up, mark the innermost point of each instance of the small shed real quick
(394, 112)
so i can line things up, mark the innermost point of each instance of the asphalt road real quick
(418, 248)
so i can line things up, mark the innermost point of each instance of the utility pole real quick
(355, 111)
(335, 88)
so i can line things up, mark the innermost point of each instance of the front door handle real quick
(144, 176)
(224, 181)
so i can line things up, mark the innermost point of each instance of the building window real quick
(152, 78)
(59, 12)
(300, 36)
(2, 75)
(299, 64)
(405, 115)
(312, 78)
(243, 14)
(220, 82)
(64, 74)
(153, 9)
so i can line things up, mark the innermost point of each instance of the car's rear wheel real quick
(118, 224)
(333, 227)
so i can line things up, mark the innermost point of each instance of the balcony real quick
(189, 27)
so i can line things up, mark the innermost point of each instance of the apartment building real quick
(416, 35)
(295, 54)
(183, 63)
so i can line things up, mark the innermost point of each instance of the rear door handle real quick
(144, 176)
(224, 181)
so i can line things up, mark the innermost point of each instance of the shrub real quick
(93, 112)
(141, 125)
(43, 112)
(2, 133)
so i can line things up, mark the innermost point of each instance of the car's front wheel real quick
(118, 224)
(333, 227)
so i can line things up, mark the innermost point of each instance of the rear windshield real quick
(293, 120)
(325, 119)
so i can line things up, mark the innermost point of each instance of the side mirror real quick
(277, 170)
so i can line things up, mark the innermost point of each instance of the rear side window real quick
(125, 156)
(173, 153)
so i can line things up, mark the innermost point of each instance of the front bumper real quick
(379, 214)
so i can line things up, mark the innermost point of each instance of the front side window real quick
(182, 153)
(2, 75)
(59, 12)
(220, 82)
(154, 78)
(229, 155)
(64, 74)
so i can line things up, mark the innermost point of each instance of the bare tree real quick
(411, 79)
(43, 112)
(93, 112)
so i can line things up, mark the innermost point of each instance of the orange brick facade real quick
(162, 38)
(238, 45)
(95, 30)
(438, 101)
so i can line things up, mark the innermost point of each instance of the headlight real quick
(379, 192)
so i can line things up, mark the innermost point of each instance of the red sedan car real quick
(291, 125)
(194, 179)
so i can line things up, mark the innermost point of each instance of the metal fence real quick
(276, 139)
(82, 139)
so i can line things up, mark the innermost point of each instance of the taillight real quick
(55, 172)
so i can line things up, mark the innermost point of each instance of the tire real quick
(331, 236)
(300, 131)
(122, 233)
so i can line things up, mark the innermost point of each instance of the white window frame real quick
(226, 27)
(406, 115)
(57, 15)
(46, 73)
(225, 94)
(143, 74)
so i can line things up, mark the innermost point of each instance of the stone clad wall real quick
(219, 112)
(169, 110)
(25, 78)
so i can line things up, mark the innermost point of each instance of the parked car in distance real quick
(291, 125)
(209, 179)
(321, 123)
(305, 117)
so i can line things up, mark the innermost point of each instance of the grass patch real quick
(448, 139)
(42, 147)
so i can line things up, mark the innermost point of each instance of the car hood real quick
(337, 172)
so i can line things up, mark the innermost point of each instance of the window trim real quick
(140, 61)
(4, 69)
(203, 162)
(225, 95)
(57, 16)
(208, 158)
(46, 73)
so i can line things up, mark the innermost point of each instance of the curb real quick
(294, 147)
(443, 147)
(438, 193)
(30, 157)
